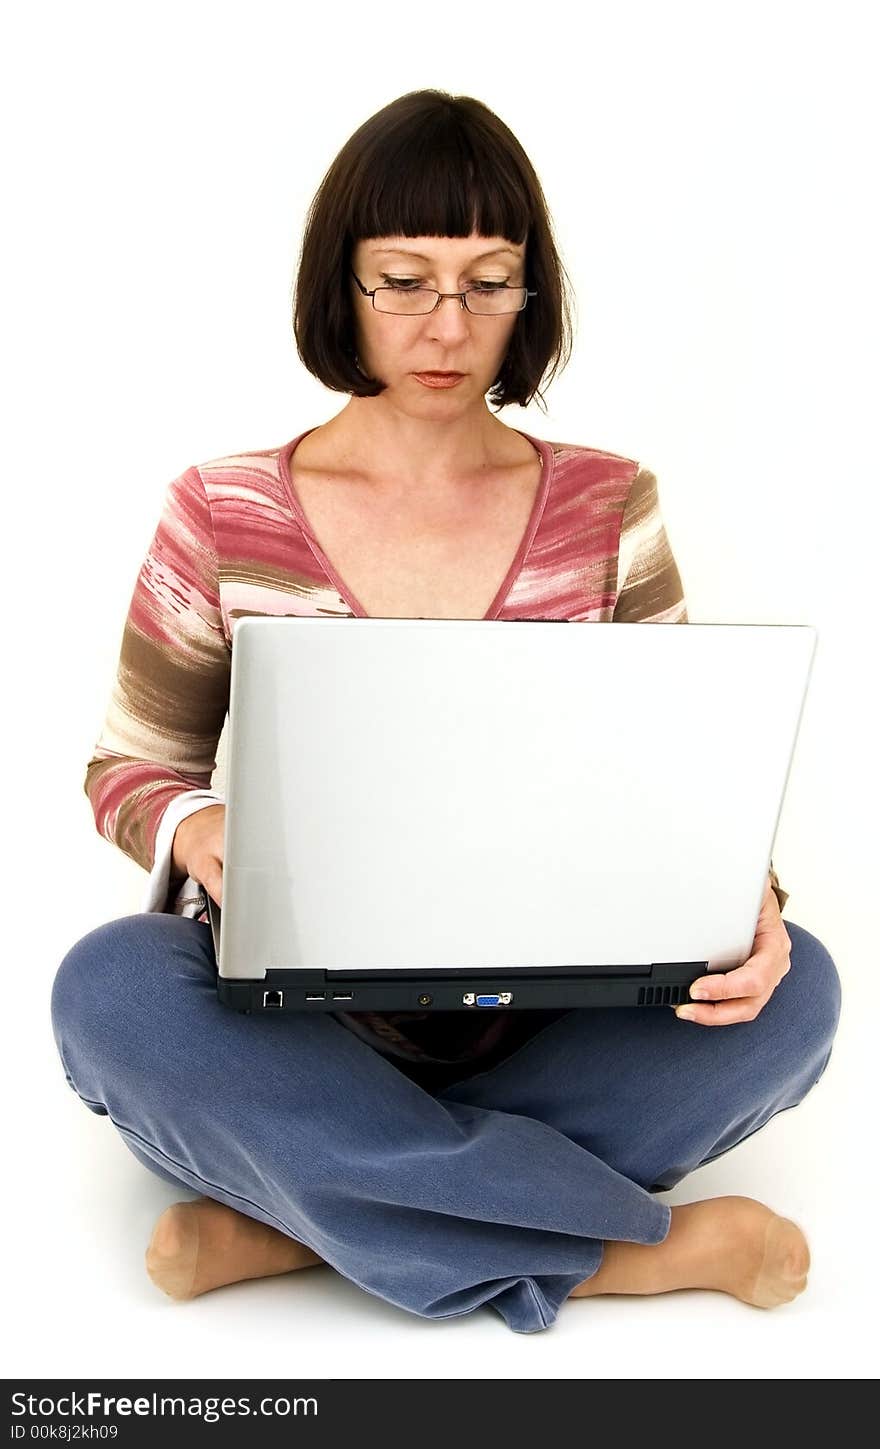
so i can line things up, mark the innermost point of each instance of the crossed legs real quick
(517, 1187)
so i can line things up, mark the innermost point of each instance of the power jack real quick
(425, 999)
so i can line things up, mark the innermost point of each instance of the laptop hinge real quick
(320, 978)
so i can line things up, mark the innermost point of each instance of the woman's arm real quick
(170, 698)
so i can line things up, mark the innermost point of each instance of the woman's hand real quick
(197, 849)
(724, 997)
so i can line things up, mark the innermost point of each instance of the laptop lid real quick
(430, 795)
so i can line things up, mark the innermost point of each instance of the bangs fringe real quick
(432, 182)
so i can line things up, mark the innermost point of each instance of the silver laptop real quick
(497, 814)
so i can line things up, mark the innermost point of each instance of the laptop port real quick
(316, 996)
(273, 998)
(488, 998)
(343, 996)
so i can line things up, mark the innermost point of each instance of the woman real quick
(441, 1161)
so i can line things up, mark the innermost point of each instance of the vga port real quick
(488, 998)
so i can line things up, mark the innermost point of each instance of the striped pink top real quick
(233, 540)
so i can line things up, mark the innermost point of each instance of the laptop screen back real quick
(425, 794)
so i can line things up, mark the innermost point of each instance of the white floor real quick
(80, 1210)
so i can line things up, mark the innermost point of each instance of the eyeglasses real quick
(405, 300)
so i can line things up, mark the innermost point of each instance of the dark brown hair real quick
(429, 164)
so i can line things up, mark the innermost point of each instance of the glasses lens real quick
(492, 300)
(410, 300)
(485, 301)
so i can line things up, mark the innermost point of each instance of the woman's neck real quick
(394, 450)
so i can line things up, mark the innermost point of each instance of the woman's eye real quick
(407, 283)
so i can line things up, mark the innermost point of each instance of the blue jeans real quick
(498, 1188)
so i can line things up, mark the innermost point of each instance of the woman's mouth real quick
(438, 379)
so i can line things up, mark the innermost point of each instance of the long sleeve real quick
(649, 588)
(170, 698)
(189, 899)
(780, 894)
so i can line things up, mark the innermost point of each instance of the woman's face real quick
(394, 348)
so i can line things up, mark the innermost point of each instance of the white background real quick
(710, 174)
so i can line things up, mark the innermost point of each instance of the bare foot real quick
(732, 1244)
(200, 1245)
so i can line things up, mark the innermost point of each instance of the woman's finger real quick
(213, 883)
(724, 1013)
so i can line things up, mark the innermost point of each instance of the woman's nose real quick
(449, 318)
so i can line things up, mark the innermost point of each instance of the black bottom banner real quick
(194, 1412)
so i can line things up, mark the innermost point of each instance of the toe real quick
(172, 1253)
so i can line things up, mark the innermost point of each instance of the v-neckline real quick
(542, 448)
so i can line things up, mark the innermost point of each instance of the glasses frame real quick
(512, 312)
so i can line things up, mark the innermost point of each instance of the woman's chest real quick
(401, 562)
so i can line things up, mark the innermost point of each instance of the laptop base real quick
(666, 984)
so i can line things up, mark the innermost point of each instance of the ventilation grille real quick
(663, 995)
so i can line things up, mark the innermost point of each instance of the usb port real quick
(343, 996)
(316, 996)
